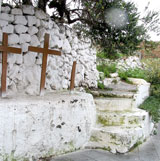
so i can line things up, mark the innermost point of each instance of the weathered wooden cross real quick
(5, 50)
(73, 76)
(45, 51)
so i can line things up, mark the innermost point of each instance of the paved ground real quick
(149, 151)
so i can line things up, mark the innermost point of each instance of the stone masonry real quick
(27, 26)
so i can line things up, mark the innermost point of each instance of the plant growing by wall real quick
(152, 104)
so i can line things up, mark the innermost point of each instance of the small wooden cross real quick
(45, 51)
(5, 50)
(73, 76)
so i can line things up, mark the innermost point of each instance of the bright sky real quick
(154, 5)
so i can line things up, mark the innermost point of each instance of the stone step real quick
(121, 138)
(122, 86)
(119, 118)
(115, 104)
(112, 93)
(116, 139)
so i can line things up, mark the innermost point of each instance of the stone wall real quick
(130, 62)
(27, 26)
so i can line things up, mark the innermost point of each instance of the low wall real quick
(34, 127)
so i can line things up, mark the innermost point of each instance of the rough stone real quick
(3, 23)
(34, 40)
(8, 29)
(66, 46)
(13, 39)
(21, 29)
(32, 20)
(38, 22)
(16, 11)
(25, 38)
(41, 15)
(56, 42)
(6, 17)
(32, 30)
(20, 20)
(44, 24)
(5, 9)
(24, 47)
(28, 9)
(30, 58)
(114, 75)
(41, 34)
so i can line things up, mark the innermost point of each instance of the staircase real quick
(120, 124)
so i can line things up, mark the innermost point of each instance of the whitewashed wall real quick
(35, 127)
(27, 26)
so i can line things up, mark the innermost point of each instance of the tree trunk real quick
(27, 2)
(42, 4)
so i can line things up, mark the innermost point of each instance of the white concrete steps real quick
(116, 139)
(120, 124)
(113, 93)
(121, 118)
(114, 104)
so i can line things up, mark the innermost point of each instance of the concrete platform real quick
(149, 151)
(39, 126)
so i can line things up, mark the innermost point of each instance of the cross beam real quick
(73, 76)
(45, 51)
(5, 50)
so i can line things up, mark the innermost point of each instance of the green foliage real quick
(104, 55)
(153, 75)
(100, 85)
(152, 105)
(133, 73)
(107, 69)
(122, 74)
(153, 70)
(110, 39)
(155, 90)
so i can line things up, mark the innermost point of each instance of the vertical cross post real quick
(45, 51)
(73, 76)
(5, 50)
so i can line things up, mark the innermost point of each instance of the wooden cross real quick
(73, 76)
(5, 50)
(45, 51)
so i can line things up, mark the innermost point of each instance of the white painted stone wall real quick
(126, 63)
(34, 127)
(27, 26)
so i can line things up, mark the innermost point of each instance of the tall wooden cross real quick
(45, 51)
(5, 50)
(73, 76)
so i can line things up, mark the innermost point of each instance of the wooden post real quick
(5, 50)
(0, 5)
(73, 76)
(45, 51)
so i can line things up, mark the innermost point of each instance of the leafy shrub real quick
(122, 74)
(107, 69)
(105, 55)
(153, 70)
(155, 90)
(134, 73)
(153, 75)
(152, 105)
(100, 85)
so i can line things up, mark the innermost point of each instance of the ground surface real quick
(149, 151)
